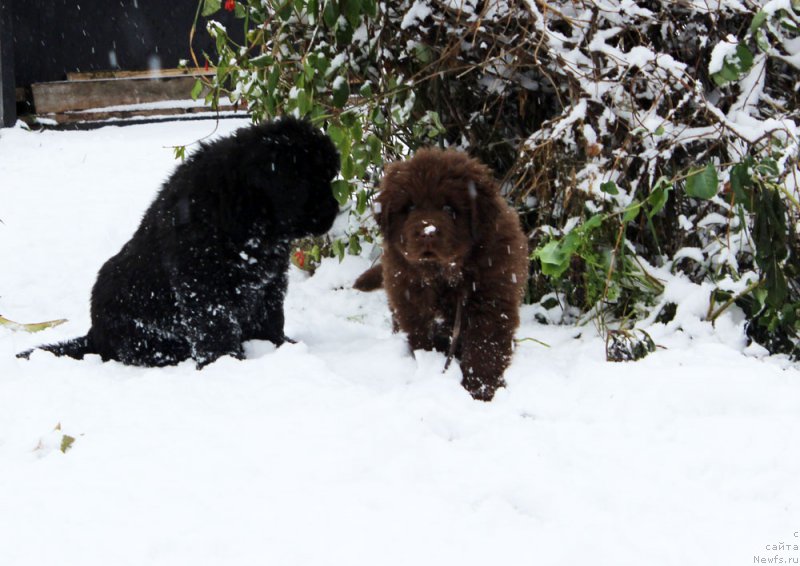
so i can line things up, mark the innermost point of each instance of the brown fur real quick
(449, 237)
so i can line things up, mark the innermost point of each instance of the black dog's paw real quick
(207, 358)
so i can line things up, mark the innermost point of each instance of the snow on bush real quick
(631, 134)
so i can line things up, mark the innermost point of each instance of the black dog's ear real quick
(298, 141)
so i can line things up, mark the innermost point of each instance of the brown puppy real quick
(454, 264)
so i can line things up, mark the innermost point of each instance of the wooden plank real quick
(62, 96)
(159, 73)
(105, 115)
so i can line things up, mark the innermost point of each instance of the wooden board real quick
(160, 73)
(62, 96)
(110, 115)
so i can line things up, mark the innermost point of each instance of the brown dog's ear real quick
(380, 211)
(485, 205)
(383, 206)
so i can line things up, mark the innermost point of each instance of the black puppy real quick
(206, 269)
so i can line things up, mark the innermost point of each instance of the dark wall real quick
(8, 114)
(53, 37)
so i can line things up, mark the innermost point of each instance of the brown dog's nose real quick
(428, 233)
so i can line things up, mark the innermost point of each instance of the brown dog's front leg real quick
(487, 347)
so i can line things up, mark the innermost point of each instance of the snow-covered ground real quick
(342, 449)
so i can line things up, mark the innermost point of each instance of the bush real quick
(629, 135)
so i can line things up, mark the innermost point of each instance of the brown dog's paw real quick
(370, 280)
(481, 390)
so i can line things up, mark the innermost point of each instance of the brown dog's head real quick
(434, 207)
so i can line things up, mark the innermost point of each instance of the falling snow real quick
(343, 448)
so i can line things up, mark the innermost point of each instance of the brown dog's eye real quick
(447, 209)
(408, 208)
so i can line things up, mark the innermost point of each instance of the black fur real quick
(206, 269)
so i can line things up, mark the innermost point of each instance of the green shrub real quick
(630, 135)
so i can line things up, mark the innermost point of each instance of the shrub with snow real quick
(630, 134)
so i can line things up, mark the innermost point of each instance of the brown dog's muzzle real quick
(429, 238)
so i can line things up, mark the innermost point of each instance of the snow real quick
(343, 448)
(338, 82)
(721, 50)
(416, 14)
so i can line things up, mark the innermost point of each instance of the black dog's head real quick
(277, 173)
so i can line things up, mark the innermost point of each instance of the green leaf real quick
(341, 191)
(352, 11)
(221, 41)
(609, 187)
(338, 249)
(702, 183)
(745, 58)
(362, 202)
(340, 138)
(770, 234)
(370, 8)
(734, 66)
(787, 21)
(344, 33)
(348, 167)
(180, 152)
(312, 9)
(554, 258)
(762, 40)
(742, 183)
(777, 287)
(658, 198)
(274, 78)
(263, 60)
(378, 117)
(632, 211)
(594, 222)
(197, 89)
(423, 53)
(768, 168)
(66, 443)
(356, 132)
(374, 144)
(308, 70)
(556, 255)
(331, 13)
(303, 102)
(211, 7)
(321, 64)
(341, 92)
(315, 253)
(354, 246)
(285, 10)
(349, 118)
(758, 21)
